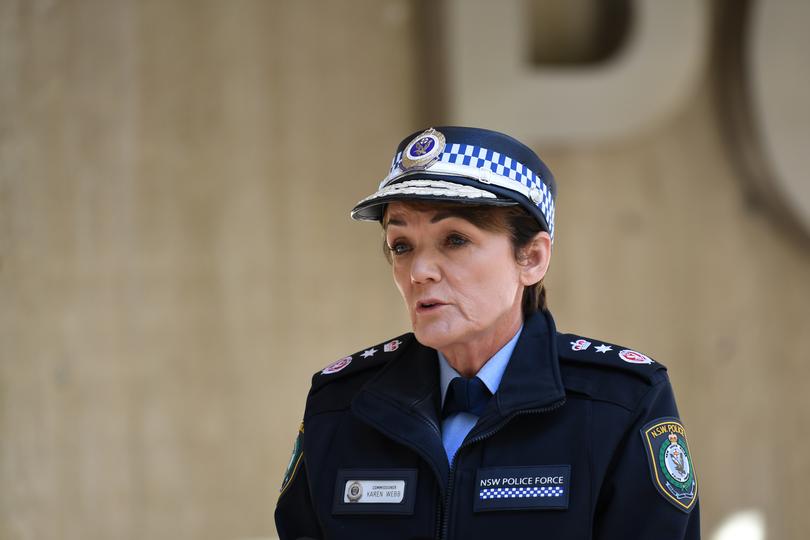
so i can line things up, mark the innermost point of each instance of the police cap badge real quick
(423, 150)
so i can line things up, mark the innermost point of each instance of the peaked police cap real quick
(465, 165)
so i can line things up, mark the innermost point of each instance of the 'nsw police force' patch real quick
(522, 488)
(670, 462)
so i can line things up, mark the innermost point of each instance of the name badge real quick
(374, 491)
(522, 488)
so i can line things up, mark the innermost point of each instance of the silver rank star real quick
(369, 352)
(603, 348)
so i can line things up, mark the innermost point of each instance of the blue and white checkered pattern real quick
(521, 493)
(483, 158)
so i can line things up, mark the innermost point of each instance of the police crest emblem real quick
(673, 473)
(295, 460)
(423, 150)
(354, 492)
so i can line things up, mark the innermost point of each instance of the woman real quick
(485, 422)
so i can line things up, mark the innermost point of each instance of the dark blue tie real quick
(466, 395)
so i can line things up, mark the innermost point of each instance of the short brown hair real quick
(514, 221)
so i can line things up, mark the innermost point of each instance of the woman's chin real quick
(433, 335)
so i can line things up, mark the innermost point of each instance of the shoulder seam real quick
(336, 410)
(627, 408)
(653, 386)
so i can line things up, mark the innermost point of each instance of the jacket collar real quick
(532, 378)
(402, 402)
(406, 392)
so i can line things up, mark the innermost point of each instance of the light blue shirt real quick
(456, 426)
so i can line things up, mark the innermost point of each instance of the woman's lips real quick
(429, 305)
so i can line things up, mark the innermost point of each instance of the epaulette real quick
(581, 350)
(363, 360)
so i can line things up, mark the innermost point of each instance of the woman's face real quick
(461, 284)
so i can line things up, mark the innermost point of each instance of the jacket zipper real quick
(445, 521)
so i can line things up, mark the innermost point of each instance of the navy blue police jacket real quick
(582, 440)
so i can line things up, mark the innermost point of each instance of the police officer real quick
(485, 422)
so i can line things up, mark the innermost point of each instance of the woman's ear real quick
(534, 259)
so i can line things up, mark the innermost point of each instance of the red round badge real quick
(635, 357)
(336, 366)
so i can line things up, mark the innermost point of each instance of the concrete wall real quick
(176, 260)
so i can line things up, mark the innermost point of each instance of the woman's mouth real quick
(428, 306)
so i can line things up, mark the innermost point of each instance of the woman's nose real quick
(425, 267)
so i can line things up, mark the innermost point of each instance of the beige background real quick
(176, 259)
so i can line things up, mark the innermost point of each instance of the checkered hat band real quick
(482, 158)
(521, 493)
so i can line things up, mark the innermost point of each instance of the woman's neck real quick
(469, 357)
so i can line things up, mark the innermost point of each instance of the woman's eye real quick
(399, 248)
(456, 240)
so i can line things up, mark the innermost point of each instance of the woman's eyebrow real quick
(442, 215)
(435, 219)
(395, 221)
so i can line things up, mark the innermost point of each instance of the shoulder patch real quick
(295, 460)
(671, 467)
(362, 360)
(595, 352)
